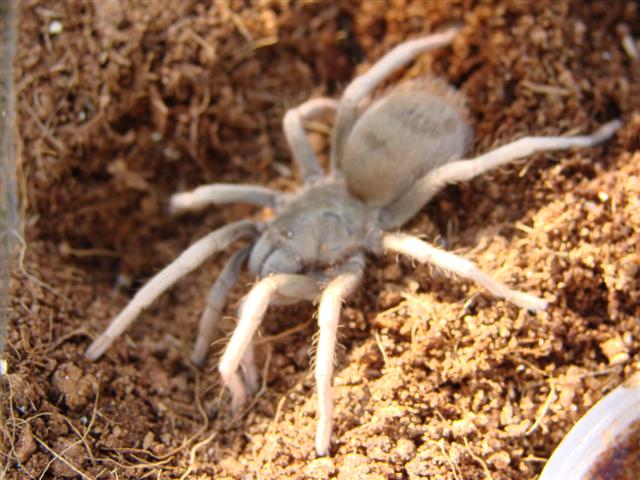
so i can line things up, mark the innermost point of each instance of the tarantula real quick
(388, 158)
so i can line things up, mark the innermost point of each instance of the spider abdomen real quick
(402, 136)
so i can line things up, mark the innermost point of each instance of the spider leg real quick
(186, 262)
(297, 138)
(249, 369)
(328, 316)
(220, 193)
(216, 300)
(424, 253)
(363, 85)
(250, 315)
(424, 189)
(248, 364)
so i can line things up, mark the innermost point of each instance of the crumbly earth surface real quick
(122, 103)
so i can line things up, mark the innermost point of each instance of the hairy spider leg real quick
(250, 316)
(221, 193)
(216, 299)
(421, 251)
(424, 189)
(363, 85)
(186, 262)
(337, 291)
(296, 135)
(249, 369)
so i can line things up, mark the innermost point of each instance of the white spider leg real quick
(297, 138)
(363, 85)
(220, 193)
(249, 369)
(424, 189)
(186, 262)
(424, 253)
(216, 299)
(248, 364)
(250, 315)
(331, 300)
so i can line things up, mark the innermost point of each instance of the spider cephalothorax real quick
(388, 159)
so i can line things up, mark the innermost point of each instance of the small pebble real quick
(55, 27)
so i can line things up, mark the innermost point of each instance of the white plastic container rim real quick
(597, 431)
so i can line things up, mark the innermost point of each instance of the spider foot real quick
(99, 346)
(527, 301)
(236, 386)
(181, 202)
(199, 353)
(250, 375)
(323, 437)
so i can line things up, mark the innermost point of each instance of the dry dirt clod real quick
(76, 388)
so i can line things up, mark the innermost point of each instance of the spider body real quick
(388, 159)
(317, 228)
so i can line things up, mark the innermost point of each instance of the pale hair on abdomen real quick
(416, 127)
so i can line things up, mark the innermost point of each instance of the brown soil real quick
(131, 101)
